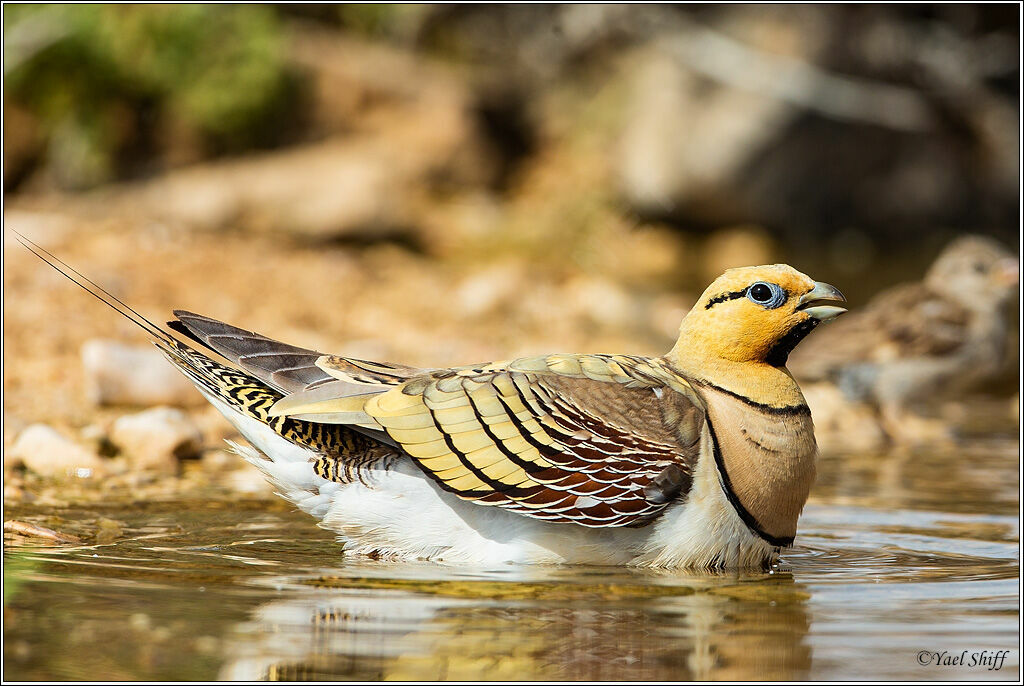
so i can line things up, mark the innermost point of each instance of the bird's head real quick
(757, 314)
(976, 271)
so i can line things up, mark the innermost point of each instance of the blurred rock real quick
(841, 426)
(687, 139)
(120, 374)
(220, 460)
(108, 531)
(704, 106)
(156, 439)
(490, 288)
(368, 187)
(48, 453)
(601, 300)
(15, 493)
(212, 424)
(780, 116)
(95, 436)
(247, 480)
(362, 86)
(851, 427)
(666, 312)
(319, 190)
(739, 246)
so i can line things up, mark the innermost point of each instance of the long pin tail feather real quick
(178, 353)
(94, 289)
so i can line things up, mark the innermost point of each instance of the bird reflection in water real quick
(702, 628)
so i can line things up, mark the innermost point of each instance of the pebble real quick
(108, 531)
(15, 494)
(491, 288)
(601, 300)
(47, 453)
(157, 438)
(120, 374)
(207, 645)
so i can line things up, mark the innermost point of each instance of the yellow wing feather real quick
(521, 435)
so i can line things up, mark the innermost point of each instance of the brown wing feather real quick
(592, 439)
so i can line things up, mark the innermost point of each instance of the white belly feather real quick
(400, 513)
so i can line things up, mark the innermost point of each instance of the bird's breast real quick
(766, 458)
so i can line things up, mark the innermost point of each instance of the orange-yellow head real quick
(756, 314)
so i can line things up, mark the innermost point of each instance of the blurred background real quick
(448, 184)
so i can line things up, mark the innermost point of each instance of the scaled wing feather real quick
(570, 438)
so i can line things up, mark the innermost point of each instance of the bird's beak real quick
(822, 292)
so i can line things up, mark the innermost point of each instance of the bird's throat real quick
(759, 384)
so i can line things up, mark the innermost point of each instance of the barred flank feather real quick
(343, 450)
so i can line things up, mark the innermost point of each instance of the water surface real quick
(900, 557)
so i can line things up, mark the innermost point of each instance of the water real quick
(900, 557)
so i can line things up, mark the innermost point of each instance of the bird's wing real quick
(288, 368)
(906, 321)
(599, 440)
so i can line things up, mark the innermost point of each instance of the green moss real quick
(101, 78)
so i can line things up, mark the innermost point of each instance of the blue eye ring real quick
(767, 295)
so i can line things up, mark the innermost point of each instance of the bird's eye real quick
(979, 267)
(767, 295)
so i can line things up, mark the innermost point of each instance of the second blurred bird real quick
(883, 367)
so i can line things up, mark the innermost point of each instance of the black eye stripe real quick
(781, 297)
(732, 295)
